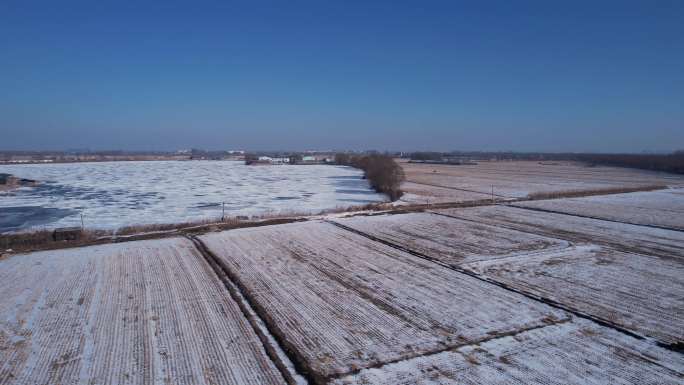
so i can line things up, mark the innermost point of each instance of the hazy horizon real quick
(531, 76)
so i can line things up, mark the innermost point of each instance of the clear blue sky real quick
(482, 75)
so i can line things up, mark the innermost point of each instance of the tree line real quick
(383, 173)
(673, 162)
(656, 162)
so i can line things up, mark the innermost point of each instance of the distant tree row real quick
(383, 173)
(666, 162)
(673, 162)
(427, 156)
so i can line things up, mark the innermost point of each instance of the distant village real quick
(251, 158)
(290, 159)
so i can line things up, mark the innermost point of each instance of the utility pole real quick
(82, 226)
(223, 211)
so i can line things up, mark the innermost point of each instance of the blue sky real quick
(398, 75)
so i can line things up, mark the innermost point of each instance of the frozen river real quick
(116, 194)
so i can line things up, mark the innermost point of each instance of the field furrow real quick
(625, 237)
(522, 178)
(131, 313)
(449, 240)
(577, 352)
(641, 293)
(653, 208)
(342, 302)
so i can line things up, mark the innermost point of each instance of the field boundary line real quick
(460, 189)
(538, 298)
(594, 217)
(286, 365)
(569, 237)
(453, 347)
(569, 241)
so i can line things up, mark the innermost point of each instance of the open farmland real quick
(452, 241)
(663, 208)
(621, 236)
(342, 302)
(416, 193)
(577, 352)
(132, 313)
(518, 179)
(483, 295)
(637, 292)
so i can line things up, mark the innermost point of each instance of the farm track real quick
(576, 352)
(572, 237)
(452, 240)
(458, 189)
(350, 376)
(596, 217)
(287, 363)
(454, 347)
(347, 303)
(33, 242)
(552, 303)
(286, 358)
(619, 236)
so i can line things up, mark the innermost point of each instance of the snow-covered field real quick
(343, 302)
(513, 296)
(416, 193)
(517, 179)
(577, 352)
(624, 237)
(115, 194)
(148, 312)
(637, 292)
(498, 294)
(664, 208)
(452, 241)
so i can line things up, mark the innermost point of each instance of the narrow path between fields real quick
(544, 300)
(595, 217)
(572, 238)
(287, 363)
(458, 189)
(455, 347)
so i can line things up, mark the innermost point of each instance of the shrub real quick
(383, 173)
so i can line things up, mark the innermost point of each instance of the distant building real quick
(280, 160)
(273, 160)
(317, 159)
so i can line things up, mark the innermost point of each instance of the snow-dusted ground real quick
(415, 193)
(663, 208)
(517, 179)
(147, 312)
(638, 292)
(625, 237)
(452, 241)
(115, 194)
(350, 310)
(342, 302)
(577, 353)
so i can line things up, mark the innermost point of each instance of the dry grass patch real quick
(591, 192)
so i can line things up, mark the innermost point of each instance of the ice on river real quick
(115, 194)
